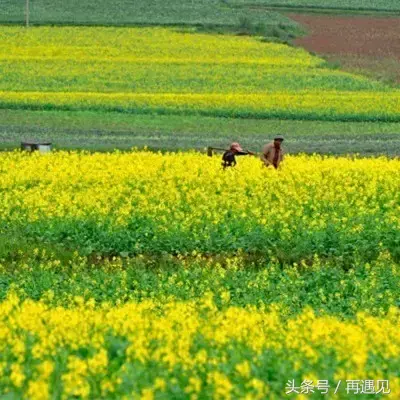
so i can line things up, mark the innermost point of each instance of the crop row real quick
(329, 106)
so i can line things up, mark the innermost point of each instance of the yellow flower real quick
(17, 376)
(194, 385)
(46, 369)
(243, 369)
(222, 385)
(225, 296)
(147, 394)
(38, 390)
(160, 384)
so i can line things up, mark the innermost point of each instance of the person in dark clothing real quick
(229, 157)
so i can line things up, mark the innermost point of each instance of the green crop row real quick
(38, 273)
(378, 5)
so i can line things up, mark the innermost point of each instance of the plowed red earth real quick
(365, 44)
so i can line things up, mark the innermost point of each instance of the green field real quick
(107, 131)
(366, 5)
(133, 12)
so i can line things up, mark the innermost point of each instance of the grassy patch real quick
(382, 69)
(107, 131)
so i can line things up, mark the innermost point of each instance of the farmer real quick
(228, 159)
(272, 153)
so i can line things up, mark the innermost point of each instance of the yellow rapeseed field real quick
(320, 306)
(304, 105)
(190, 349)
(149, 202)
(142, 275)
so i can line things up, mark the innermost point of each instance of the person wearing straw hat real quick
(272, 153)
(229, 157)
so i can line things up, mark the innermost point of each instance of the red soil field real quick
(364, 44)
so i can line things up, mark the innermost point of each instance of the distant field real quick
(379, 5)
(165, 71)
(120, 12)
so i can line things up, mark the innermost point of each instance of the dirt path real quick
(363, 44)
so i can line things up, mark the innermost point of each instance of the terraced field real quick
(142, 70)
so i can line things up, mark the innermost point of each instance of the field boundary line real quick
(324, 10)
